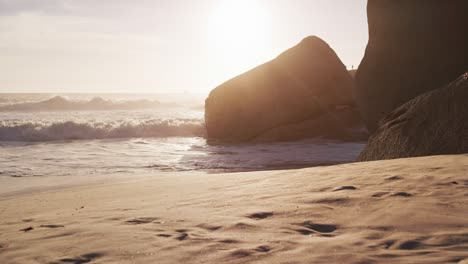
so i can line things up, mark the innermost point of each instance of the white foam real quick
(71, 130)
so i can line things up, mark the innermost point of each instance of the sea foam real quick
(71, 130)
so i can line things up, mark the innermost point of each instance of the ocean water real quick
(94, 135)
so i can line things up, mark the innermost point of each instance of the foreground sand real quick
(401, 211)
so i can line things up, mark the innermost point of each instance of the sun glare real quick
(239, 32)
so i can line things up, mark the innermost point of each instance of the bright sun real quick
(239, 31)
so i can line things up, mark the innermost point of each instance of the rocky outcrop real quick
(283, 99)
(414, 47)
(342, 124)
(434, 123)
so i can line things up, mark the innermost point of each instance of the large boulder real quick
(304, 83)
(434, 123)
(414, 46)
(341, 124)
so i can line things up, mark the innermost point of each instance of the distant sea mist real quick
(35, 119)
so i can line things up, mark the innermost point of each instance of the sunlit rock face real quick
(414, 47)
(285, 98)
(433, 123)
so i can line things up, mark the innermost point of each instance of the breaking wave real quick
(70, 130)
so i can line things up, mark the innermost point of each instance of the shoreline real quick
(11, 186)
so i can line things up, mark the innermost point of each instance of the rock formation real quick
(343, 124)
(433, 123)
(414, 47)
(280, 99)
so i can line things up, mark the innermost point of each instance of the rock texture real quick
(434, 123)
(414, 47)
(343, 124)
(304, 83)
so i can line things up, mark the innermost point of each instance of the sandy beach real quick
(398, 211)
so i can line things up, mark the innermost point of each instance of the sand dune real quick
(399, 211)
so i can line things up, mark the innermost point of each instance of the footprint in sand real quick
(311, 228)
(242, 226)
(209, 227)
(389, 243)
(86, 258)
(52, 226)
(410, 245)
(304, 232)
(379, 194)
(320, 227)
(260, 216)
(331, 200)
(401, 194)
(229, 241)
(345, 188)
(394, 178)
(241, 253)
(141, 220)
(382, 228)
(27, 229)
(182, 237)
(263, 249)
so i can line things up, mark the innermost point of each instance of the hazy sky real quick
(161, 45)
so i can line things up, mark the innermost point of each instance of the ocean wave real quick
(59, 103)
(70, 130)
